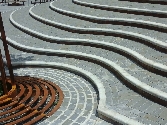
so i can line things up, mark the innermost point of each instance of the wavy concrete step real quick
(59, 117)
(126, 9)
(98, 12)
(107, 30)
(52, 23)
(132, 112)
(144, 75)
(128, 5)
(115, 116)
(117, 21)
(151, 92)
(116, 103)
(37, 52)
(85, 14)
(119, 48)
(83, 51)
(41, 30)
(91, 18)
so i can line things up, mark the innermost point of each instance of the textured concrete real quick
(114, 77)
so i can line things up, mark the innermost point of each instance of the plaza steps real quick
(127, 63)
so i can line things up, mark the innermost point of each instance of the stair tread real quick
(138, 47)
(70, 6)
(127, 4)
(129, 66)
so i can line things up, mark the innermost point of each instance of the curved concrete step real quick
(24, 48)
(46, 51)
(93, 14)
(118, 8)
(157, 44)
(119, 21)
(126, 4)
(148, 64)
(136, 110)
(60, 26)
(133, 54)
(148, 91)
(66, 61)
(105, 13)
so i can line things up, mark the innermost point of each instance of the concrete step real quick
(49, 38)
(70, 48)
(103, 54)
(103, 13)
(65, 26)
(110, 72)
(116, 21)
(126, 4)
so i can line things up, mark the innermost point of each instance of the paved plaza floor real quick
(109, 57)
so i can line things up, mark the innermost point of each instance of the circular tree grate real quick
(36, 100)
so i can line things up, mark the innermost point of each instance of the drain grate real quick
(36, 100)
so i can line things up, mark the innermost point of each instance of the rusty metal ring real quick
(36, 100)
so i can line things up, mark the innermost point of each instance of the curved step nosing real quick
(146, 88)
(117, 117)
(136, 55)
(100, 30)
(120, 8)
(101, 106)
(95, 18)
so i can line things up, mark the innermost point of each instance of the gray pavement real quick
(81, 99)
(4, 6)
